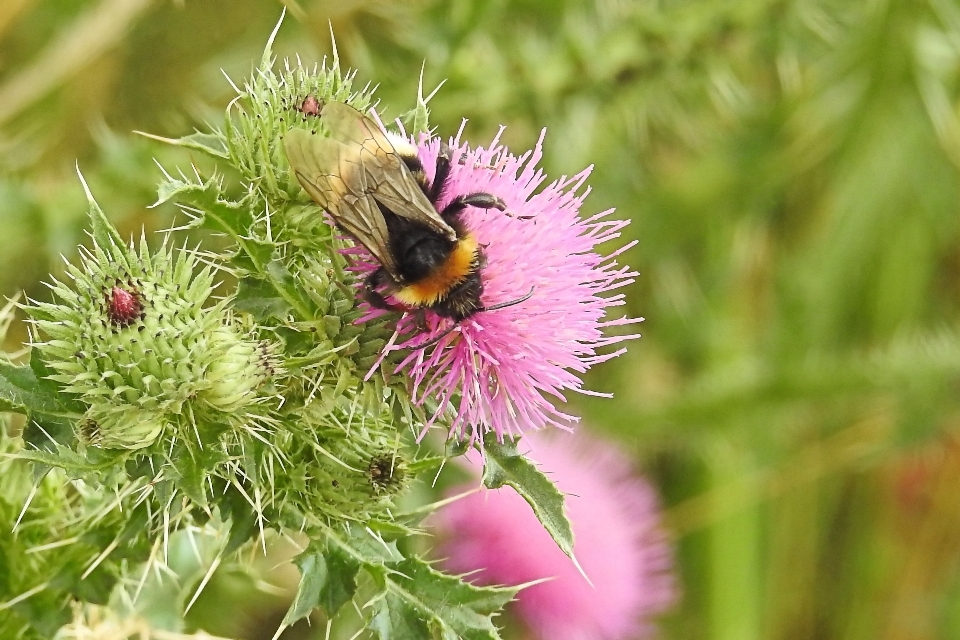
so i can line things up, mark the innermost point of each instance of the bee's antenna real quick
(504, 305)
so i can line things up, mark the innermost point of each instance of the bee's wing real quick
(385, 175)
(331, 172)
(351, 126)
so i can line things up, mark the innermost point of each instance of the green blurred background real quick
(791, 170)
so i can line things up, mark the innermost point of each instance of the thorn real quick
(232, 84)
(420, 99)
(203, 583)
(86, 189)
(103, 556)
(23, 596)
(157, 162)
(333, 44)
(576, 563)
(434, 92)
(154, 136)
(26, 505)
(273, 35)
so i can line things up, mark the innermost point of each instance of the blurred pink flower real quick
(619, 544)
(503, 370)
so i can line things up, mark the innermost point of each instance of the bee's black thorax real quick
(437, 273)
(417, 249)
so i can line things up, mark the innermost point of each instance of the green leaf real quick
(21, 391)
(213, 212)
(95, 588)
(416, 120)
(67, 459)
(365, 547)
(456, 448)
(243, 518)
(232, 218)
(296, 342)
(285, 284)
(255, 255)
(416, 601)
(505, 465)
(46, 432)
(46, 612)
(328, 579)
(25, 389)
(260, 299)
(210, 143)
(395, 619)
(391, 530)
(328, 575)
(192, 466)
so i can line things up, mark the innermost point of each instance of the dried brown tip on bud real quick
(123, 307)
(384, 472)
(89, 431)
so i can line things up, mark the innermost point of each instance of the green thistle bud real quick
(120, 426)
(341, 465)
(243, 367)
(133, 340)
(326, 281)
(133, 331)
(270, 104)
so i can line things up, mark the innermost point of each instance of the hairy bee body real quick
(375, 188)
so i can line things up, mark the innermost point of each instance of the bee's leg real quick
(441, 174)
(420, 318)
(480, 200)
(373, 297)
(376, 300)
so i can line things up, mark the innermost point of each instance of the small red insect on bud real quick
(311, 106)
(123, 307)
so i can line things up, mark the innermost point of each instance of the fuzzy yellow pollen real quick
(437, 285)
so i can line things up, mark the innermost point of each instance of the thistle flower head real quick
(618, 544)
(504, 369)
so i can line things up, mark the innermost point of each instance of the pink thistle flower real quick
(618, 543)
(504, 369)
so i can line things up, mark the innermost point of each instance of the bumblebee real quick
(375, 187)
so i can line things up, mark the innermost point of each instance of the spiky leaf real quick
(204, 199)
(417, 601)
(260, 299)
(212, 144)
(328, 579)
(22, 391)
(505, 465)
